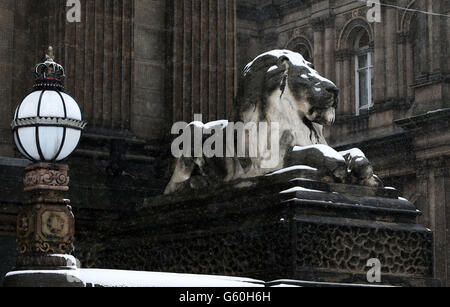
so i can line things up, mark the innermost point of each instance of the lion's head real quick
(314, 96)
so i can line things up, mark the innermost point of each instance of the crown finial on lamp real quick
(49, 75)
(50, 56)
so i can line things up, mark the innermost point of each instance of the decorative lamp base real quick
(46, 225)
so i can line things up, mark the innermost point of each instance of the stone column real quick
(432, 183)
(329, 49)
(409, 67)
(422, 175)
(401, 71)
(347, 97)
(318, 51)
(7, 68)
(446, 41)
(204, 55)
(436, 26)
(442, 238)
(339, 83)
(379, 63)
(391, 53)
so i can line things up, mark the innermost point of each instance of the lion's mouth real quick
(322, 116)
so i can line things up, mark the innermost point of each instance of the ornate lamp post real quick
(47, 127)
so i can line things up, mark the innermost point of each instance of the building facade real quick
(137, 66)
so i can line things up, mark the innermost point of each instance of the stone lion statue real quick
(281, 89)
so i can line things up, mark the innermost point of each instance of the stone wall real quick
(204, 58)
(151, 111)
(115, 61)
(14, 34)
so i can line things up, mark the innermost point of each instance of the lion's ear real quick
(284, 62)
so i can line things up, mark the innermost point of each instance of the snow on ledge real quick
(293, 168)
(133, 279)
(116, 278)
(355, 152)
(300, 189)
(326, 150)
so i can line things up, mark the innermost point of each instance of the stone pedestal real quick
(278, 227)
(45, 230)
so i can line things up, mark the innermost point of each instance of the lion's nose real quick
(332, 89)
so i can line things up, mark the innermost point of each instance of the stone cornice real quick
(440, 165)
(329, 22)
(341, 55)
(391, 104)
(431, 78)
(417, 122)
(318, 24)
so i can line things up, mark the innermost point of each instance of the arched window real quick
(304, 51)
(363, 72)
(302, 46)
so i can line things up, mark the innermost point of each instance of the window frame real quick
(365, 50)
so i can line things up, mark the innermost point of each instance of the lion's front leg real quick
(182, 173)
(351, 167)
(360, 168)
(330, 165)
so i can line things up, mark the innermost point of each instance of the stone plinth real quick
(278, 228)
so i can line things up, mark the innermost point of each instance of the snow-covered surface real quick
(295, 58)
(272, 68)
(300, 189)
(117, 278)
(210, 125)
(438, 110)
(57, 272)
(303, 283)
(390, 188)
(326, 150)
(293, 168)
(355, 152)
(401, 198)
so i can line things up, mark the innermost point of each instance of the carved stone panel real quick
(44, 229)
(44, 176)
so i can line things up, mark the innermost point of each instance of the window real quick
(303, 50)
(363, 73)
